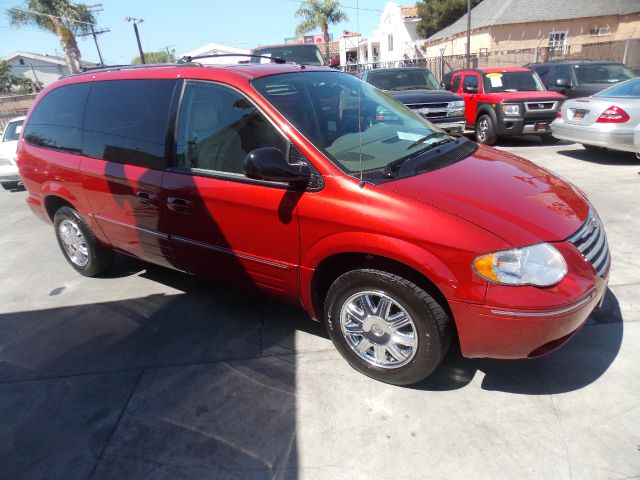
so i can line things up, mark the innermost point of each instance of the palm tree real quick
(319, 14)
(62, 17)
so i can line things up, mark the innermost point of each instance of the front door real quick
(471, 87)
(224, 225)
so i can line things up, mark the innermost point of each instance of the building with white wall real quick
(43, 69)
(218, 49)
(394, 40)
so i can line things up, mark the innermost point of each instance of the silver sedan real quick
(604, 120)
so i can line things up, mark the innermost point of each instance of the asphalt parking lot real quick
(148, 373)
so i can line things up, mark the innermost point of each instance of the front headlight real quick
(511, 109)
(456, 104)
(540, 265)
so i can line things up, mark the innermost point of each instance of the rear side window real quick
(126, 121)
(56, 120)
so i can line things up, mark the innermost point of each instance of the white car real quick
(8, 169)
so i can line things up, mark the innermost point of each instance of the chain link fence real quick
(624, 51)
(12, 106)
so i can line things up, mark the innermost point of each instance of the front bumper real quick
(607, 135)
(451, 124)
(520, 126)
(491, 332)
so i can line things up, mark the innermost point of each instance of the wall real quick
(45, 72)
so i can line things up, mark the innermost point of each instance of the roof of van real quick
(164, 70)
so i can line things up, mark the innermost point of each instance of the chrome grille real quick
(591, 242)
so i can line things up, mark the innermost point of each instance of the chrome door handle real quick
(180, 205)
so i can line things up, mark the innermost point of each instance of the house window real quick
(21, 61)
(600, 31)
(391, 42)
(557, 42)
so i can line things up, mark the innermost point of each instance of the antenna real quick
(359, 99)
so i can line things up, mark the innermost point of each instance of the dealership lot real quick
(149, 373)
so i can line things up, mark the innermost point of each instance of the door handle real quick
(180, 205)
(146, 198)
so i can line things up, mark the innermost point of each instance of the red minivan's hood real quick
(504, 194)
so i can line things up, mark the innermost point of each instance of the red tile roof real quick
(409, 12)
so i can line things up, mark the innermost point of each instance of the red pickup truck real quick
(504, 102)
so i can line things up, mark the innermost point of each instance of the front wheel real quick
(486, 130)
(548, 139)
(386, 326)
(79, 245)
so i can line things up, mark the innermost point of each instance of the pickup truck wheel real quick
(79, 245)
(486, 130)
(386, 326)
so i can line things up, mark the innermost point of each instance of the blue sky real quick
(184, 25)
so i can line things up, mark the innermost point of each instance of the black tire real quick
(549, 139)
(486, 134)
(11, 185)
(432, 324)
(99, 258)
(594, 148)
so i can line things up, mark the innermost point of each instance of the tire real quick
(549, 139)
(486, 130)
(594, 148)
(11, 185)
(79, 245)
(424, 340)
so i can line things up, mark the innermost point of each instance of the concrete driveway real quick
(152, 374)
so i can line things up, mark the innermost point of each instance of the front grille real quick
(415, 106)
(591, 242)
(539, 106)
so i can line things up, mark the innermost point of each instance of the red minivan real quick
(282, 179)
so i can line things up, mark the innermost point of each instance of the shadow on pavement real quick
(575, 365)
(604, 157)
(191, 385)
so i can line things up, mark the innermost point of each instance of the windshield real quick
(12, 131)
(307, 54)
(403, 80)
(347, 119)
(628, 89)
(602, 73)
(511, 82)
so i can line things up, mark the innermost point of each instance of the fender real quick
(486, 108)
(409, 254)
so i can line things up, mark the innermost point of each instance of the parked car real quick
(604, 120)
(506, 101)
(419, 90)
(580, 78)
(282, 180)
(9, 177)
(303, 54)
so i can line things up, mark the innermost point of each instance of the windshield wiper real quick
(425, 138)
(393, 168)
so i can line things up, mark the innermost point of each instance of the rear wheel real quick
(594, 148)
(549, 139)
(486, 130)
(79, 245)
(386, 326)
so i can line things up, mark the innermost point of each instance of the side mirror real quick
(268, 163)
(470, 89)
(563, 83)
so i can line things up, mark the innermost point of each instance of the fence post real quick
(626, 51)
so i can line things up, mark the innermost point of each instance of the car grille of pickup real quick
(431, 110)
(591, 242)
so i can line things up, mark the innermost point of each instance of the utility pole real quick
(93, 9)
(468, 34)
(136, 21)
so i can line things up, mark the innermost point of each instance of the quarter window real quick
(561, 71)
(126, 122)
(217, 127)
(57, 119)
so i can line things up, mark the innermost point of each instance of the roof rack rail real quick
(189, 58)
(108, 68)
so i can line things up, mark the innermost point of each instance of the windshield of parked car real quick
(12, 132)
(403, 80)
(303, 54)
(347, 119)
(612, 73)
(511, 82)
(628, 89)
